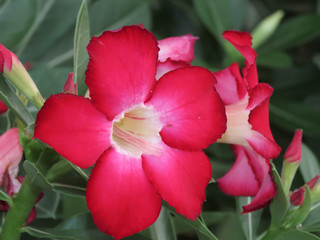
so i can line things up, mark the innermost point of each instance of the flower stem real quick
(20, 210)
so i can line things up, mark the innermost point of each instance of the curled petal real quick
(120, 197)
(189, 107)
(10, 156)
(180, 177)
(74, 128)
(6, 58)
(242, 42)
(230, 85)
(122, 68)
(177, 48)
(293, 153)
(267, 191)
(70, 86)
(169, 65)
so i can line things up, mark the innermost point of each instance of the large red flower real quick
(145, 136)
(247, 109)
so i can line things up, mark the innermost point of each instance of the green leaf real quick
(291, 115)
(122, 12)
(5, 197)
(41, 14)
(309, 165)
(13, 102)
(35, 175)
(52, 28)
(266, 28)
(80, 171)
(275, 60)
(59, 169)
(80, 55)
(163, 228)
(312, 222)
(70, 190)
(297, 216)
(47, 207)
(198, 225)
(16, 18)
(293, 32)
(249, 221)
(296, 235)
(279, 204)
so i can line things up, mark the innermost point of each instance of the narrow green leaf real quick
(80, 171)
(266, 28)
(309, 165)
(296, 235)
(297, 216)
(80, 55)
(69, 190)
(295, 31)
(48, 206)
(163, 228)
(198, 225)
(312, 222)
(275, 60)
(35, 175)
(279, 204)
(291, 115)
(13, 102)
(59, 169)
(249, 221)
(5, 197)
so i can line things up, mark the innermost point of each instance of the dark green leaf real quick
(59, 169)
(13, 103)
(80, 55)
(36, 177)
(279, 204)
(249, 221)
(312, 222)
(16, 19)
(163, 228)
(291, 115)
(70, 190)
(309, 165)
(52, 28)
(5, 197)
(296, 235)
(47, 207)
(275, 60)
(293, 32)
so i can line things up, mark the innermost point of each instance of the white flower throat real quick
(136, 131)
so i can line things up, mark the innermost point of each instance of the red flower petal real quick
(180, 177)
(3, 107)
(189, 107)
(120, 197)
(74, 128)
(177, 48)
(169, 65)
(293, 153)
(230, 85)
(267, 191)
(6, 58)
(297, 197)
(241, 179)
(242, 42)
(122, 69)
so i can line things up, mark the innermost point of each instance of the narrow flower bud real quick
(70, 86)
(292, 160)
(297, 197)
(15, 72)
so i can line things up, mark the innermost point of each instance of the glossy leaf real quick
(13, 102)
(163, 228)
(309, 165)
(279, 204)
(80, 55)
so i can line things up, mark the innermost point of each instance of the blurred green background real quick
(286, 35)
